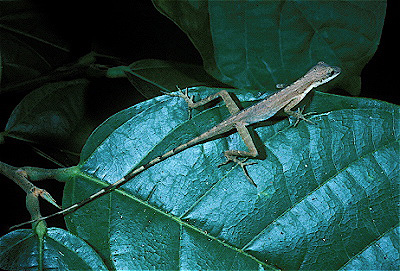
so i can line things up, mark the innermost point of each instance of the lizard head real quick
(322, 73)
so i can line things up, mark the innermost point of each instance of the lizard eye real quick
(331, 73)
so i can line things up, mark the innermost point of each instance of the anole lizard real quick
(285, 99)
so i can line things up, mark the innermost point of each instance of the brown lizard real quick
(285, 99)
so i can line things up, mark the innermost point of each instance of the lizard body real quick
(285, 99)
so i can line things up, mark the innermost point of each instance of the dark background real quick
(152, 36)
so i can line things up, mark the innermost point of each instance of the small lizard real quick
(285, 99)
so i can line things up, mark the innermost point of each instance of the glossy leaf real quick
(258, 44)
(326, 194)
(380, 255)
(62, 251)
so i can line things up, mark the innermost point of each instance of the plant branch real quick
(16, 175)
(22, 177)
(63, 73)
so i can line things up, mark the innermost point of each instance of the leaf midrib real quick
(181, 222)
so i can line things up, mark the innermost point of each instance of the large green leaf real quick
(52, 110)
(326, 195)
(257, 44)
(62, 251)
(51, 115)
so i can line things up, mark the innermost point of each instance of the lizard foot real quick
(300, 116)
(242, 164)
(184, 94)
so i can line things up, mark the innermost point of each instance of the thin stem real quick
(63, 73)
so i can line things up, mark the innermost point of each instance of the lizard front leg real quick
(297, 114)
(230, 103)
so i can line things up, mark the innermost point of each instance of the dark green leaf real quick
(50, 114)
(327, 193)
(62, 251)
(257, 44)
(166, 75)
(19, 62)
(28, 47)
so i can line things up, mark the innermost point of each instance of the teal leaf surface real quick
(326, 195)
(62, 251)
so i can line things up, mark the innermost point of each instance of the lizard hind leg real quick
(241, 163)
(235, 155)
(233, 107)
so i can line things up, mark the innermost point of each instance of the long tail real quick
(118, 183)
